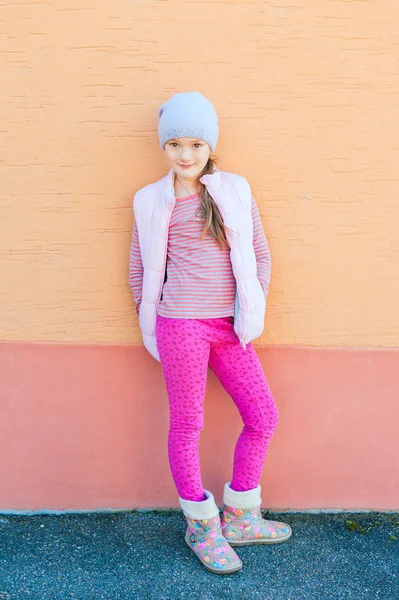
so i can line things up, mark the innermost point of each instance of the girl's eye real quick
(174, 144)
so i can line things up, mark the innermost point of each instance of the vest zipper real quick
(165, 255)
(243, 345)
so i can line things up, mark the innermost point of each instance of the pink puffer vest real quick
(153, 206)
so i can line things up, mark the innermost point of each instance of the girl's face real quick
(187, 156)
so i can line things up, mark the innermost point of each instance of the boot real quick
(205, 538)
(242, 521)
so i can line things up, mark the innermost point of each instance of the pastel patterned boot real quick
(242, 521)
(205, 538)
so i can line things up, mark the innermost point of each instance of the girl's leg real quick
(184, 355)
(240, 373)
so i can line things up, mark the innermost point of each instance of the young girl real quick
(199, 274)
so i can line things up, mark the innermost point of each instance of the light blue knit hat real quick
(188, 114)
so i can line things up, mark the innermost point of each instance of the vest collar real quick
(213, 181)
(168, 190)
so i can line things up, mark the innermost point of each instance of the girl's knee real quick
(269, 426)
(273, 417)
(187, 424)
(266, 423)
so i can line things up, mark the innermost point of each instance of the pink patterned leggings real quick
(186, 348)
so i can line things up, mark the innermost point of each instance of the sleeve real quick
(135, 269)
(261, 248)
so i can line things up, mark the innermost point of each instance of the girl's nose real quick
(185, 154)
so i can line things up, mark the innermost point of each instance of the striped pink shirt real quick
(200, 282)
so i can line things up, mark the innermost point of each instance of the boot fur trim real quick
(248, 499)
(200, 510)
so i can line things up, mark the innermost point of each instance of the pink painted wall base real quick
(85, 427)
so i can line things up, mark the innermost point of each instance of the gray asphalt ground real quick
(142, 555)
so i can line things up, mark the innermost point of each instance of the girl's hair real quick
(209, 211)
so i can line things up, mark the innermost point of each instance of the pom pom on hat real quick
(188, 114)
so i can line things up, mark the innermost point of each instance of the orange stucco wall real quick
(308, 105)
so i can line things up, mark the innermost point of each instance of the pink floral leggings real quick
(186, 348)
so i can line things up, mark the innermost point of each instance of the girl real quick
(199, 274)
